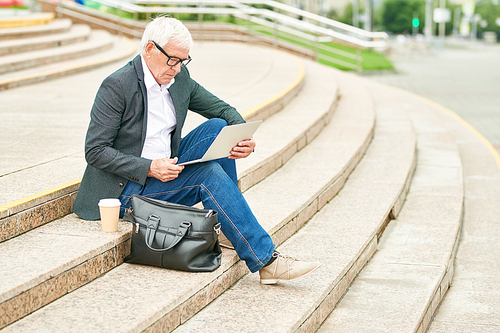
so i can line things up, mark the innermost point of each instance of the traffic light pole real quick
(415, 23)
(428, 21)
(442, 25)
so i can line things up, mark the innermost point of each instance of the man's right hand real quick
(165, 169)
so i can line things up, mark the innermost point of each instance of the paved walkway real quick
(465, 79)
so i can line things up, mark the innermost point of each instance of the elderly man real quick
(134, 144)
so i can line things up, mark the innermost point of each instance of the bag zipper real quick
(171, 204)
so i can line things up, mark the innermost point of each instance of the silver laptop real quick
(227, 138)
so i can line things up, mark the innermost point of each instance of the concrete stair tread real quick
(342, 235)
(76, 157)
(288, 131)
(402, 285)
(31, 19)
(274, 94)
(232, 269)
(98, 40)
(73, 164)
(38, 155)
(28, 17)
(56, 25)
(254, 91)
(76, 239)
(119, 49)
(77, 32)
(335, 152)
(69, 220)
(470, 302)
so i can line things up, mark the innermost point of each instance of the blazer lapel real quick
(177, 97)
(140, 78)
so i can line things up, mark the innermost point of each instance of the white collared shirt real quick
(161, 117)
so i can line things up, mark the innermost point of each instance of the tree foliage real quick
(489, 13)
(398, 14)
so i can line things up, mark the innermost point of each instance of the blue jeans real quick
(215, 184)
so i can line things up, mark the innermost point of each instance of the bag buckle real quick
(217, 228)
(155, 217)
(183, 225)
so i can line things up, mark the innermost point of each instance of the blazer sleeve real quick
(114, 137)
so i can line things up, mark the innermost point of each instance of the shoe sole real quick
(226, 246)
(275, 281)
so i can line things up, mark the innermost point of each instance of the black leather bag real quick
(173, 236)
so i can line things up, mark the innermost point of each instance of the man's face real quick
(157, 61)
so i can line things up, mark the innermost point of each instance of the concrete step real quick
(184, 294)
(39, 148)
(284, 134)
(77, 33)
(115, 49)
(51, 261)
(25, 224)
(404, 282)
(342, 235)
(32, 19)
(471, 304)
(98, 41)
(258, 92)
(54, 26)
(255, 93)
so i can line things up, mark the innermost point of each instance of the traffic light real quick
(415, 22)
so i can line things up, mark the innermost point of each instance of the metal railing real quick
(310, 28)
(310, 23)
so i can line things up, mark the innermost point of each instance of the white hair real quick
(163, 29)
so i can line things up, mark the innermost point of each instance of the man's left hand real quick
(242, 149)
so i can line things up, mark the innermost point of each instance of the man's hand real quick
(242, 149)
(165, 169)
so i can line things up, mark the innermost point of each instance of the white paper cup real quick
(110, 213)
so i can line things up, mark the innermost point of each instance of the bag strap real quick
(151, 228)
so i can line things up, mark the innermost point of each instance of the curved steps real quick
(77, 33)
(30, 54)
(378, 154)
(342, 235)
(401, 287)
(25, 20)
(193, 287)
(54, 26)
(109, 252)
(471, 302)
(23, 215)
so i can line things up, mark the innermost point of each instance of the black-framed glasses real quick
(173, 61)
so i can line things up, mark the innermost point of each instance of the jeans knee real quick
(213, 169)
(217, 123)
(214, 173)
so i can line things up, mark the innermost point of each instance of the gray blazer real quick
(117, 131)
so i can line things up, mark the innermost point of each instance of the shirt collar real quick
(149, 79)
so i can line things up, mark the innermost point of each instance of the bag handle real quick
(152, 225)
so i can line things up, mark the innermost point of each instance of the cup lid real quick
(109, 203)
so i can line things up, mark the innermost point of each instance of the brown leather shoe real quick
(286, 268)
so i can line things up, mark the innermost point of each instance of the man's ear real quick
(149, 49)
